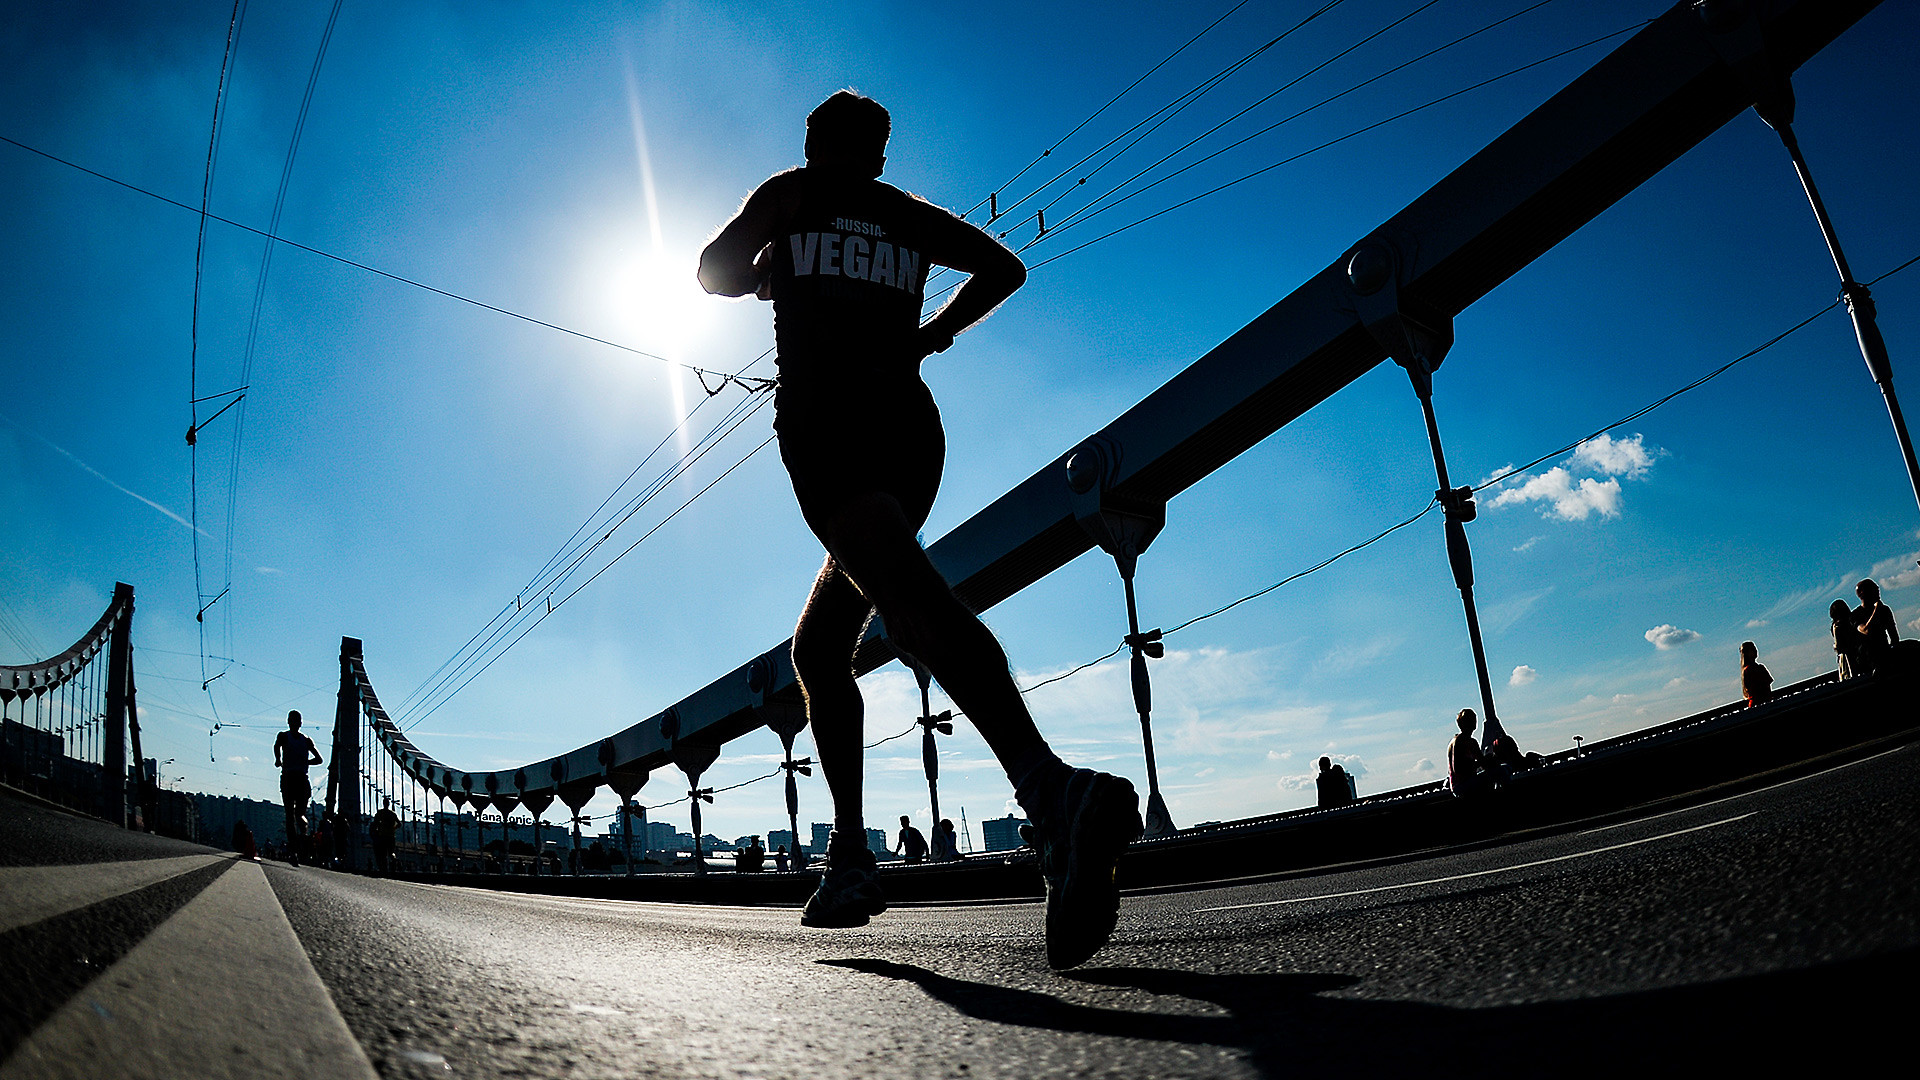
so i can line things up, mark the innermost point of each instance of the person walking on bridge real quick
(845, 257)
(293, 753)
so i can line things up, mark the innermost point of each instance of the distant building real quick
(1002, 834)
(820, 834)
(779, 838)
(877, 843)
(266, 820)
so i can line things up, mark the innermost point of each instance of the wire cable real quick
(1088, 210)
(1325, 145)
(376, 271)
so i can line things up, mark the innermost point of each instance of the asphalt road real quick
(1757, 931)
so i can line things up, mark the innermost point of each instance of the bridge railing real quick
(66, 722)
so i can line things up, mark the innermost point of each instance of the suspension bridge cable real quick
(376, 271)
(522, 612)
(1089, 209)
(1110, 103)
(1325, 145)
(1504, 475)
(566, 551)
(572, 555)
(556, 605)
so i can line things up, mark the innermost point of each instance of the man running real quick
(292, 754)
(844, 258)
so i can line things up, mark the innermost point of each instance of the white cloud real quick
(1669, 636)
(1628, 457)
(1897, 572)
(1522, 675)
(1571, 497)
(1566, 500)
(1528, 546)
(269, 570)
(1423, 767)
(1279, 755)
(1755, 624)
(239, 759)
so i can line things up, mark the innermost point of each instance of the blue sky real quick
(408, 461)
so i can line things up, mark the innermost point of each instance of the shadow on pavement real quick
(1833, 1013)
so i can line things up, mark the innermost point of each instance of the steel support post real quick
(113, 751)
(930, 723)
(1123, 526)
(1736, 34)
(343, 775)
(1417, 337)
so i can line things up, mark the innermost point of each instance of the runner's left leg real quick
(823, 644)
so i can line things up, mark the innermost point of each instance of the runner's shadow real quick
(1291, 1024)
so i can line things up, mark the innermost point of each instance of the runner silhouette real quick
(844, 258)
(292, 754)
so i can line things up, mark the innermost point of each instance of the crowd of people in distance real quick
(1864, 641)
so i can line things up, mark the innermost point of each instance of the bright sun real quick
(658, 305)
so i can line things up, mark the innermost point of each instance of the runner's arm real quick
(734, 262)
(994, 274)
(314, 752)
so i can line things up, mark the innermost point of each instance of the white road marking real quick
(31, 894)
(221, 989)
(1480, 873)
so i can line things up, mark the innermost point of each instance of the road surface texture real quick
(1758, 931)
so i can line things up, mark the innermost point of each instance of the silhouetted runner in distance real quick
(844, 258)
(292, 753)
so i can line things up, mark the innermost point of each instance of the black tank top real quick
(849, 277)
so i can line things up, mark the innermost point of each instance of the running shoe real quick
(849, 892)
(1079, 841)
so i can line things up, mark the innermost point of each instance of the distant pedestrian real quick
(385, 824)
(947, 842)
(1875, 622)
(1464, 776)
(1756, 682)
(243, 841)
(1333, 784)
(1847, 640)
(780, 859)
(912, 845)
(293, 754)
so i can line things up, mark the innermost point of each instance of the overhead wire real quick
(725, 377)
(1276, 92)
(505, 621)
(259, 302)
(1096, 113)
(1322, 146)
(1088, 210)
(193, 331)
(421, 711)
